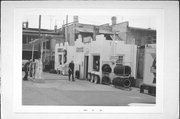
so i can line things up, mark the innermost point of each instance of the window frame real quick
(96, 67)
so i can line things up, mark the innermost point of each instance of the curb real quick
(37, 80)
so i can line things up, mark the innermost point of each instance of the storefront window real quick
(60, 59)
(96, 63)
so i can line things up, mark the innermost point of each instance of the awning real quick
(37, 41)
(29, 47)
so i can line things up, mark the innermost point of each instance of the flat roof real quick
(137, 28)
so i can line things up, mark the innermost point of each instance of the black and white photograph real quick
(89, 59)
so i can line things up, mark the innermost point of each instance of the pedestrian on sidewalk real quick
(71, 70)
(26, 69)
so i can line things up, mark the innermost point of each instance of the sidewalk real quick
(62, 83)
(51, 76)
(57, 90)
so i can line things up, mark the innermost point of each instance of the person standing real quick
(26, 69)
(71, 70)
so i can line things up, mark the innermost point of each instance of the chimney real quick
(55, 28)
(75, 19)
(113, 20)
(23, 24)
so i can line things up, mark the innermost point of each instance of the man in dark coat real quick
(26, 69)
(71, 70)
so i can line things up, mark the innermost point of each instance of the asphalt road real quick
(57, 90)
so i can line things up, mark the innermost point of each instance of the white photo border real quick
(167, 49)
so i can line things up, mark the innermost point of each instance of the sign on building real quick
(86, 39)
(79, 49)
(60, 50)
(113, 58)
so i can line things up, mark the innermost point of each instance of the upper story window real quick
(24, 39)
(46, 45)
(27, 39)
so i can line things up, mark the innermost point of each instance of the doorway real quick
(86, 60)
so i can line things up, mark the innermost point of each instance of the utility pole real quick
(41, 56)
(39, 26)
(66, 31)
(114, 39)
(40, 34)
(33, 50)
(32, 57)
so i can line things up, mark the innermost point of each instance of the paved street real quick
(57, 90)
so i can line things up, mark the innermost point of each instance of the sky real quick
(49, 21)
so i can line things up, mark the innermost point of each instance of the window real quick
(120, 60)
(53, 58)
(29, 38)
(96, 63)
(149, 40)
(60, 59)
(48, 44)
(44, 45)
(154, 39)
(24, 39)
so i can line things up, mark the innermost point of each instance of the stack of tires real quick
(122, 70)
(106, 70)
(122, 82)
(122, 74)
